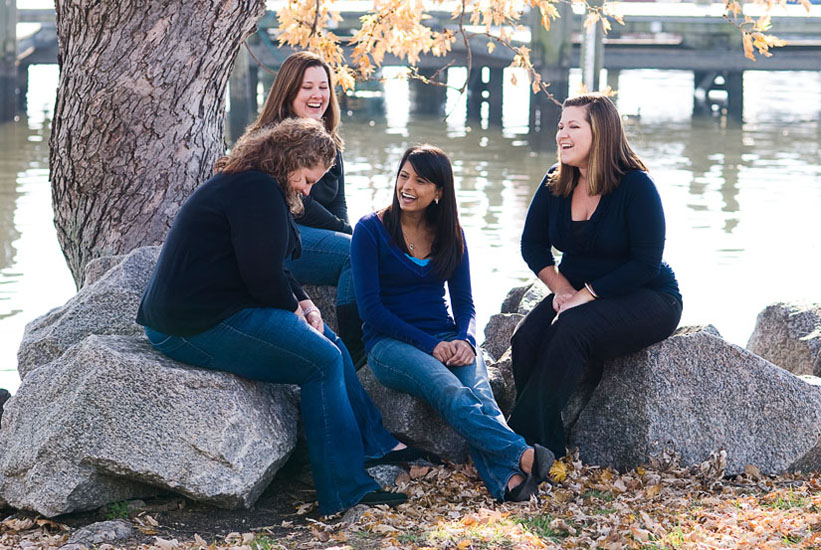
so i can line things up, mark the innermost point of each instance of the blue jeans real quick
(325, 260)
(462, 396)
(342, 425)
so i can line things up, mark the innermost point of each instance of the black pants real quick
(549, 359)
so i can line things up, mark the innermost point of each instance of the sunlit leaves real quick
(754, 37)
(401, 28)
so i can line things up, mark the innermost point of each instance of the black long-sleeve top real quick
(621, 245)
(223, 253)
(325, 207)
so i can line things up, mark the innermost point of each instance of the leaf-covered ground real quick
(658, 506)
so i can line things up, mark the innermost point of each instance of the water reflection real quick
(741, 202)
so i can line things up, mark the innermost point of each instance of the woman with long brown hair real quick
(220, 298)
(304, 88)
(611, 294)
(408, 259)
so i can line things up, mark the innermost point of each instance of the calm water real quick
(742, 204)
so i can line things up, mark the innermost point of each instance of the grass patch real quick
(266, 543)
(789, 500)
(118, 510)
(540, 526)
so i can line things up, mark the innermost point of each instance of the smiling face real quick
(303, 179)
(314, 94)
(414, 192)
(574, 137)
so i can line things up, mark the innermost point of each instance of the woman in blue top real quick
(402, 257)
(304, 88)
(611, 294)
(220, 298)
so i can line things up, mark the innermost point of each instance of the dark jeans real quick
(342, 425)
(549, 358)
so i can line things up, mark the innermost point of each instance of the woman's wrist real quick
(591, 291)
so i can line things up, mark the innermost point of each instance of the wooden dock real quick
(679, 36)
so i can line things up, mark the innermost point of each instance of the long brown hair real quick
(448, 247)
(280, 150)
(610, 154)
(280, 102)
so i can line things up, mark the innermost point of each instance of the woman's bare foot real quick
(515, 481)
(526, 462)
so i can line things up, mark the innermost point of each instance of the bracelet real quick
(310, 310)
(590, 290)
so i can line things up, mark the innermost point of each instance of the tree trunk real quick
(139, 117)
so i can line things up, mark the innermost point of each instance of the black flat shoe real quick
(384, 497)
(403, 456)
(543, 459)
(523, 491)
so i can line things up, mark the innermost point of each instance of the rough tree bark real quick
(139, 117)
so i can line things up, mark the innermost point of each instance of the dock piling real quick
(8, 59)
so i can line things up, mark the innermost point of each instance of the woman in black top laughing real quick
(220, 298)
(612, 294)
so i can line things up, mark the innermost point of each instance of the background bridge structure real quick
(668, 36)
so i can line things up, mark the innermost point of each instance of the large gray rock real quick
(498, 331)
(500, 374)
(789, 335)
(514, 296)
(531, 297)
(112, 419)
(698, 393)
(4, 396)
(412, 420)
(107, 306)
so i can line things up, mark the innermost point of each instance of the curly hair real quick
(279, 151)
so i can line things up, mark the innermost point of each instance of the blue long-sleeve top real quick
(622, 245)
(400, 299)
(223, 253)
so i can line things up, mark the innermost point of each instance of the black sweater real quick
(224, 253)
(622, 243)
(325, 207)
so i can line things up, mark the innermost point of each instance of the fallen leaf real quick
(319, 534)
(558, 472)
(165, 544)
(417, 472)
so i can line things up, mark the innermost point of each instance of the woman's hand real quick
(558, 284)
(561, 297)
(462, 354)
(443, 352)
(581, 297)
(311, 314)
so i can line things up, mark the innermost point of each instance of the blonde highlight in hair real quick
(610, 153)
(280, 102)
(281, 150)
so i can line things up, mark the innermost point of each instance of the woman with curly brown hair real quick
(220, 298)
(304, 88)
